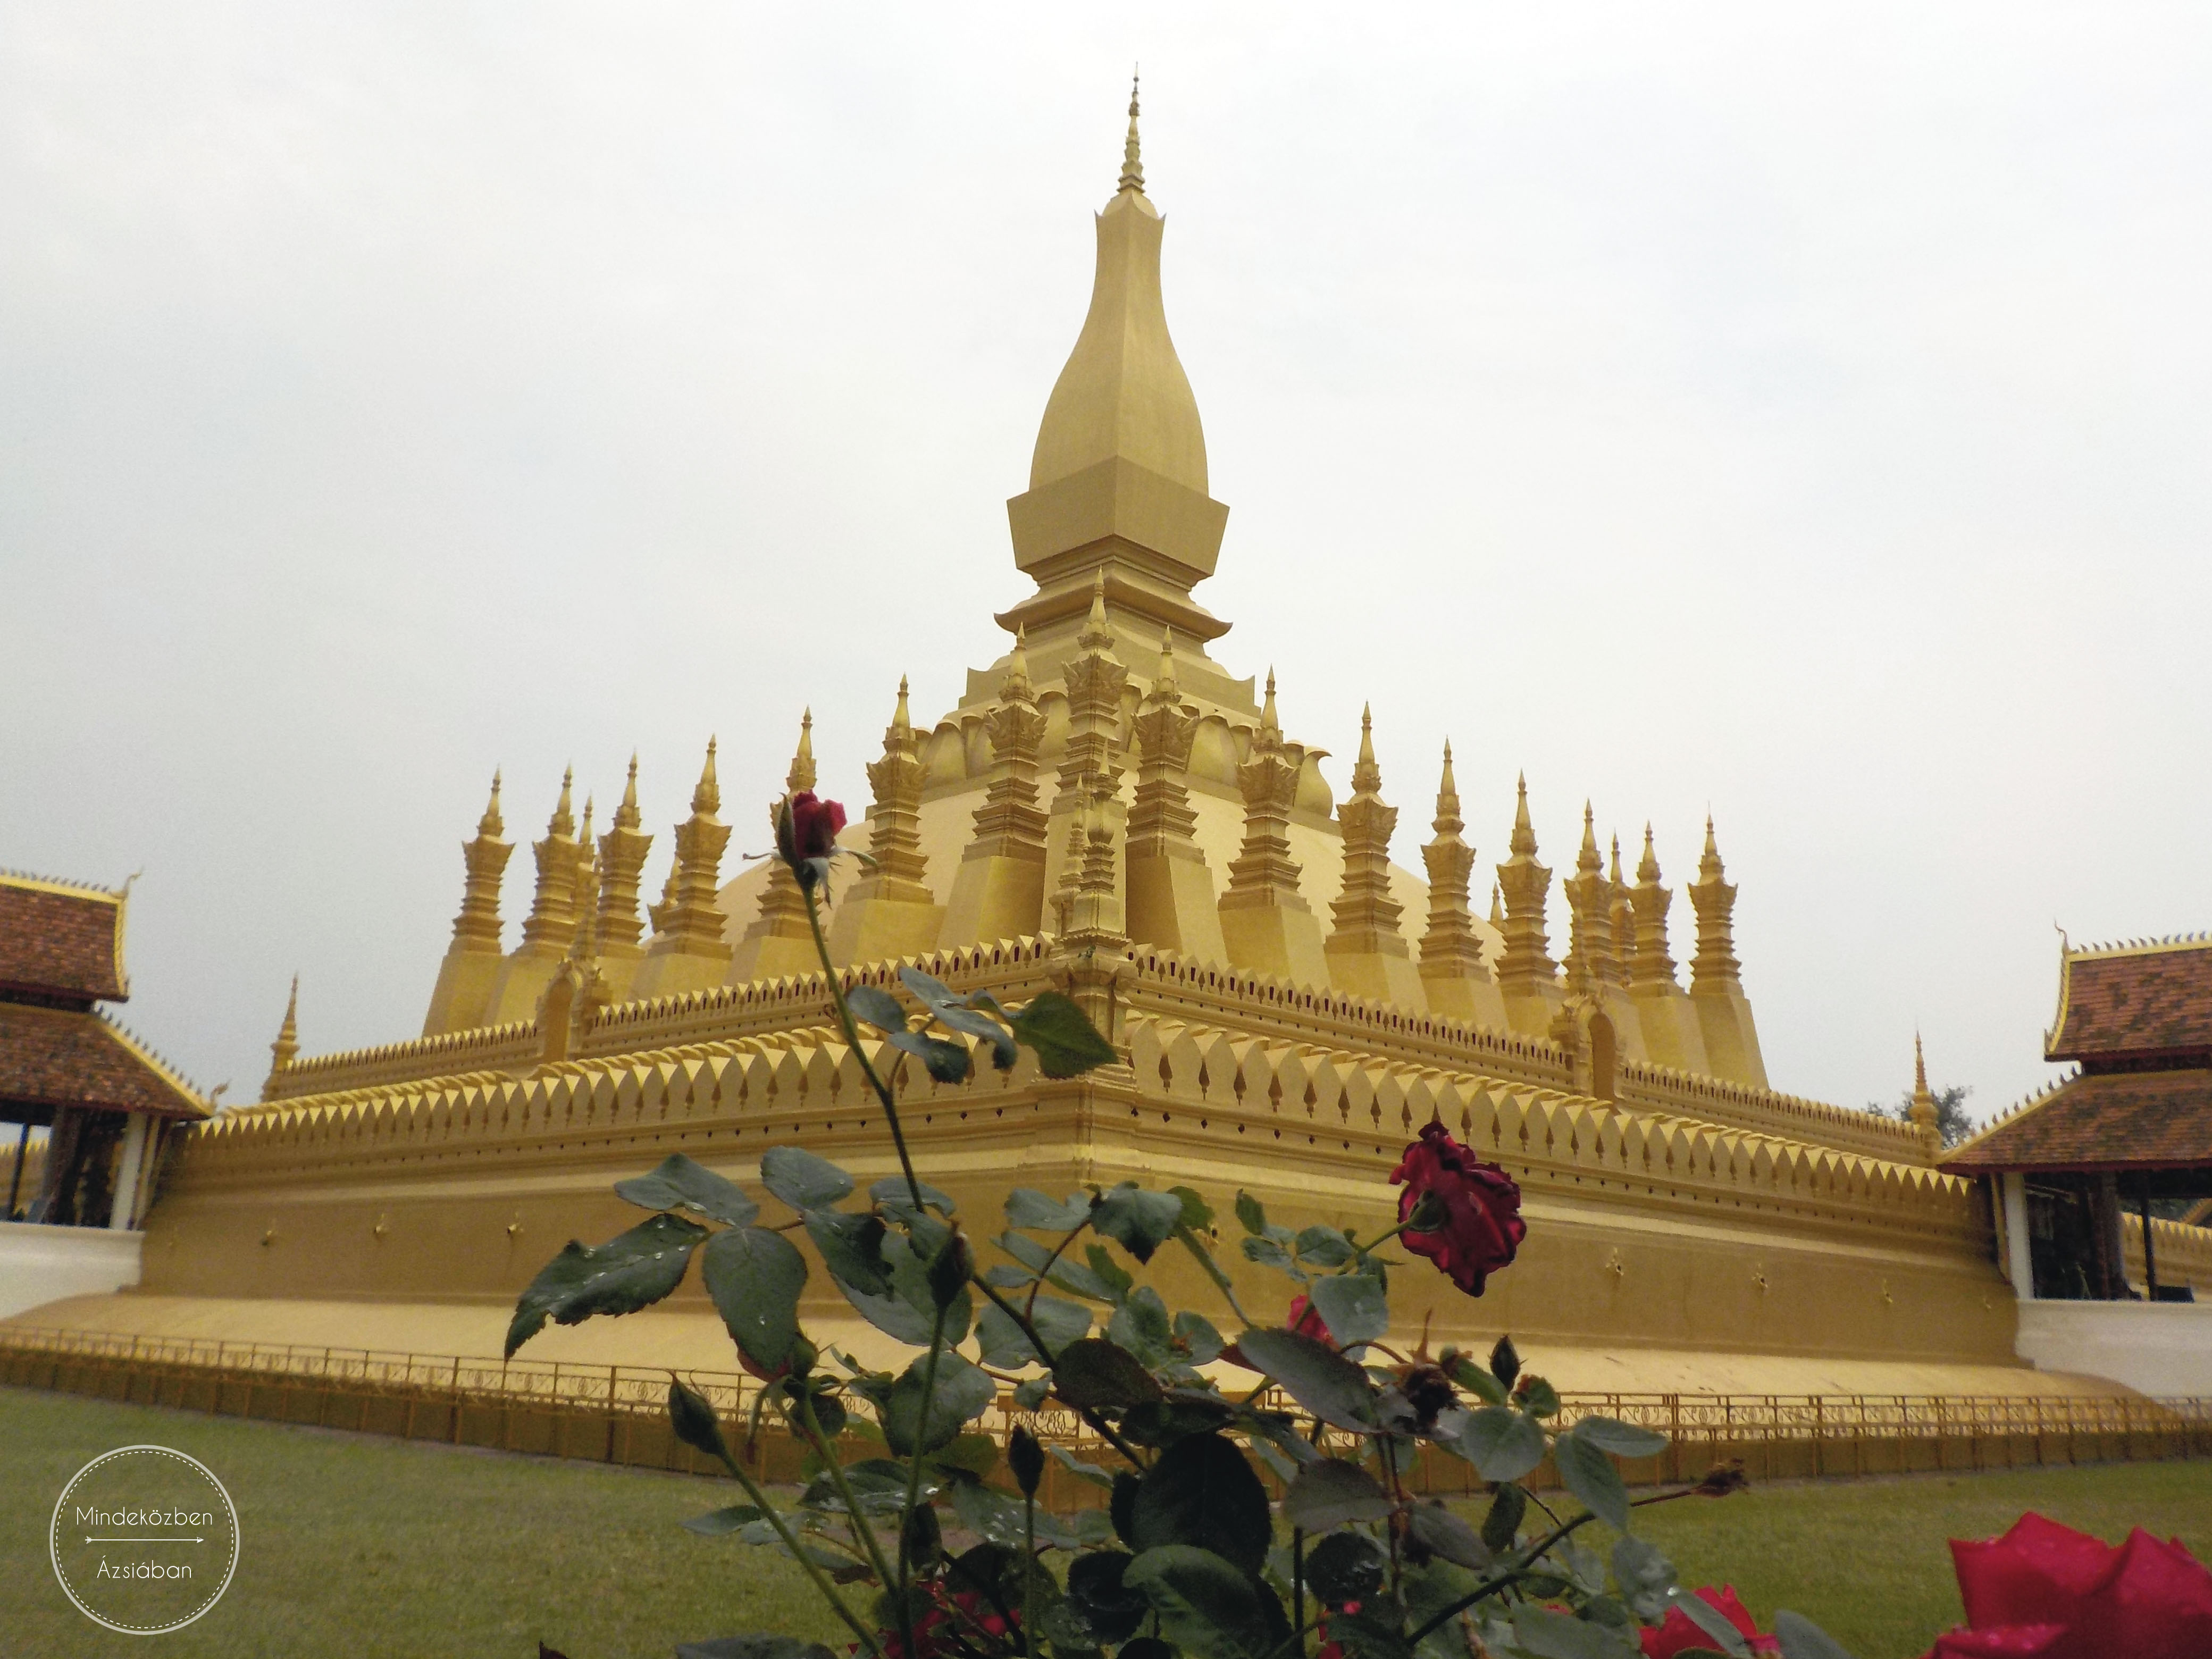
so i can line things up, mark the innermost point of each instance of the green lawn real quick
(354, 1545)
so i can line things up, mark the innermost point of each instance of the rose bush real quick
(1679, 1634)
(1188, 1554)
(2045, 1591)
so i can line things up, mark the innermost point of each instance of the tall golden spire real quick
(782, 906)
(491, 826)
(801, 775)
(1526, 963)
(286, 1045)
(1133, 169)
(1925, 1115)
(691, 917)
(1624, 916)
(1450, 948)
(1649, 962)
(1118, 477)
(476, 928)
(1271, 727)
(551, 923)
(1365, 917)
(623, 850)
(1591, 965)
(1715, 966)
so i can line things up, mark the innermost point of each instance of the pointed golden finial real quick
(1097, 633)
(900, 721)
(286, 1045)
(564, 822)
(1587, 861)
(1924, 1114)
(1133, 169)
(626, 815)
(1919, 1067)
(1271, 729)
(1366, 775)
(801, 775)
(491, 826)
(584, 837)
(1524, 833)
(1496, 907)
(1448, 785)
(1709, 866)
(707, 799)
(1616, 859)
(1647, 871)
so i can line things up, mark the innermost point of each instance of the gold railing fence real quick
(618, 1413)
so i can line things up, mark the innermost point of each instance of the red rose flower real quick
(2048, 1591)
(1681, 1633)
(1478, 1206)
(806, 834)
(1306, 1319)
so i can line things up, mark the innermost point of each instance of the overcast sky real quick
(1799, 410)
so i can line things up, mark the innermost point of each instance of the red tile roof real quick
(2105, 1121)
(2144, 999)
(59, 940)
(57, 1057)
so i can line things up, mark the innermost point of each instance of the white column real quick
(126, 1178)
(2014, 1186)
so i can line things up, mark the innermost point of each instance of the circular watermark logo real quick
(144, 1540)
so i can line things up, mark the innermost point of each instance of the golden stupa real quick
(1112, 811)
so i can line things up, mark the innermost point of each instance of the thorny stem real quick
(1029, 1571)
(1390, 1467)
(1106, 1430)
(913, 1471)
(821, 1580)
(1297, 1576)
(835, 1471)
(853, 1041)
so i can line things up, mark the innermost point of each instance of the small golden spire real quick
(707, 799)
(1366, 776)
(1924, 1112)
(586, 838)
(1524, 833)
(1097, 634)
(1587, 861)
(626, 815)
(1448, 785)
(286, 1045)
(1496, 907)
(1133, 169)
(1616, 859)
(900, 721)
(564, 824)
(1271, 729)
(1919, 1067)
(801, 775)
(491, 826)
(1016, 685)
(1647, 871)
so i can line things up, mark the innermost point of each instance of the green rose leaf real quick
(962, 1392)
(1028, 1396)
(1441, 1533)
(1324, 1247)
(891, 1193)
(1201, 1492)
(951, 1012)
(1028, 1207)
(753, 1646)
(1251, 1215)
(873, 1005)
(910, 1288)
(1502, 1444)
(1314, 1374)
(630, 1271)
(754, 1277)
(1477, 1381)
(1096, 1586)
(1502, 1524)
(1352, 1306)
(1004, 1344)
(717, 1523)
(1067, 1043)
(1268, 1254)
(947, 1062)
(1346, 1567)
(1081, 1470)
(1621, 1439)
(1206, 1606)
(1709, 1619)
(680, 1184)
(1095, 1375)
(1332, 1492)
(1197, 1213)
(691, 1414)
(1199, 1342)
(1141, 1325)
(1591, 1475)
(1548, 1635)
(1645, 1576)
(852, 1247)
(1139, 1221)
(802, 1180)
(1801, 1638)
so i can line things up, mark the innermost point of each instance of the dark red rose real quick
(808, 827)
(1477, 1208)
(2047, 1590)
(1681, 1633)
(1306, 1319)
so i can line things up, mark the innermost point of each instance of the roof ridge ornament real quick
(1133, 167)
